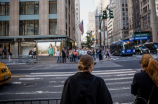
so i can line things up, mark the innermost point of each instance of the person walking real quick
(63, 56)
(75, 53)
(93, 54)
(58, 56)
(80, 88)
(79, 53)
(71, 56)
(145, 83)
(107, 53)
(100, 54)
(89, 52)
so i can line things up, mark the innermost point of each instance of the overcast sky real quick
(87, 6)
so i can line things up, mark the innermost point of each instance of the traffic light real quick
(111, 14)
(104, 14)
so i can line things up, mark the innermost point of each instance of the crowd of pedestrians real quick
(74, 55)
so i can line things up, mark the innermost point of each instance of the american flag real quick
(81, 27)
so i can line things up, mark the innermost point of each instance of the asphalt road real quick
(46, 81)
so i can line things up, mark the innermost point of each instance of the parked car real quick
(5, 74)
(152, 46)
(141, 50)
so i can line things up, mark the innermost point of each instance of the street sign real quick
(102, 29)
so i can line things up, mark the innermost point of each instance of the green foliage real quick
(88, 40)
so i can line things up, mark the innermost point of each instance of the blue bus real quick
(124, 47)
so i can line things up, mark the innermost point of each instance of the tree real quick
(89, 41)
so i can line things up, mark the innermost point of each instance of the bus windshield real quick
(156, 45)
(128, 46)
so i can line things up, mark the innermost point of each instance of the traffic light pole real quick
(100, 27)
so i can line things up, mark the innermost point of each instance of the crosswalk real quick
(51, 83)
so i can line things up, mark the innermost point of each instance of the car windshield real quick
(142, 47)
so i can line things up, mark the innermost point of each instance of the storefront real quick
(140, 38)
(22, 45)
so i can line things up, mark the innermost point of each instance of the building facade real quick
(149, 22)
(98, 12)
(23, 23)
(78, 33)
(130, 17)
(120, 23)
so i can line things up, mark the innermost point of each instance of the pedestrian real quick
(89, 52)
(63, 56)
(71, 56)
(58, 56)
(93, 54)
(30, 54)
(82, 52)
(67, 54)
(79, 53)
(85, 88)
(75, 53)
(100, 54)
(145, 83)
(85, 51)
(107, 53)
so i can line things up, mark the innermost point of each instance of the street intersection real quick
(47, 80)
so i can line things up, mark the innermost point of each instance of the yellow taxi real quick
(5, 74)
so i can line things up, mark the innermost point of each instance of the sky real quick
(86, 6)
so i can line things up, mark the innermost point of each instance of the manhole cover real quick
(29, 84)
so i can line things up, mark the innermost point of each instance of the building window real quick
(4, 8)
(27, 8)
(122, 9)
(29, 27)
(52, 26)
(52, 7)
(122, 5)
(4, 28)
(146, 21)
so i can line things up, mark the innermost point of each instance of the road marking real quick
(103, 73)
(18, 76)
(114, 83)
(32, 92)
(123, 78)
(30, 78)
(16, 82)
(119, 88)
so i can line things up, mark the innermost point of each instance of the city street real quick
(47, 80)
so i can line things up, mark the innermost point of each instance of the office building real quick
(25, 23)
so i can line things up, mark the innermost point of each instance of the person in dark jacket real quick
(76, 86)
(146, 81)
(63, 55)
(100, 54)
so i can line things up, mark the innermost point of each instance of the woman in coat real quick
(145, 83)
(85, 88)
